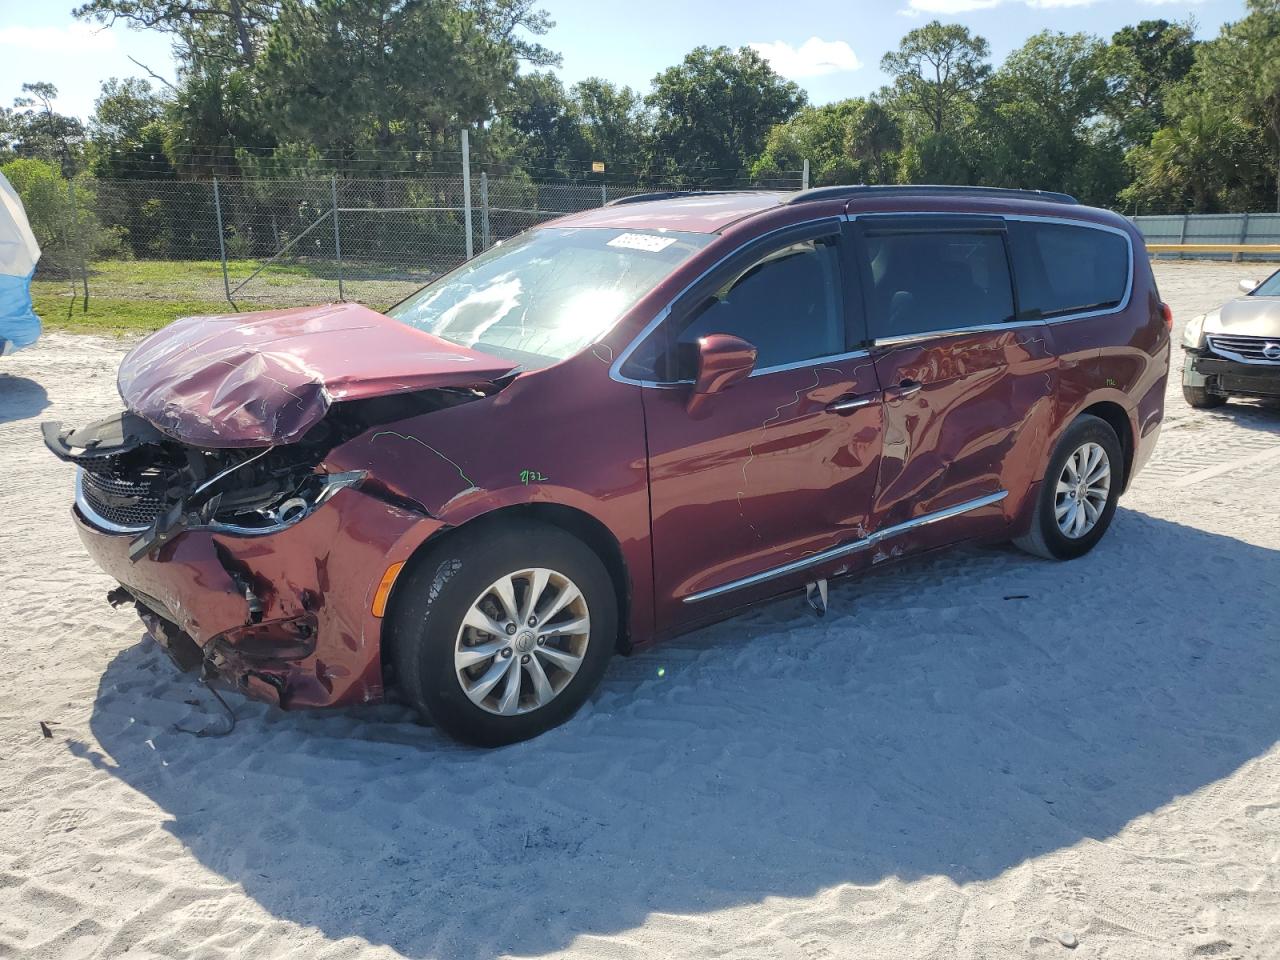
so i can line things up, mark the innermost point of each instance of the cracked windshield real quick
(544, 295)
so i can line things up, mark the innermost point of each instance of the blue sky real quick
(831, 48)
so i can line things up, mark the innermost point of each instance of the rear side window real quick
(1063, 269)
(935, 281)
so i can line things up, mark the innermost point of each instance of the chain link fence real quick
(256, 243)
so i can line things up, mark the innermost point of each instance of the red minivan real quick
(615, 427)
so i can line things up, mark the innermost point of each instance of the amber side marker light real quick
(1167, 311)
(384, 588)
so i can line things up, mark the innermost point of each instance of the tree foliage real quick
(1149, 119)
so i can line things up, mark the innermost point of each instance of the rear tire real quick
(1201, 399)
(1071, 514)
(446, 666)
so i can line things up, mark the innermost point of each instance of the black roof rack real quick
(927, 189)
(672, 195)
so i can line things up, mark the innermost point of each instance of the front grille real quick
(1246, 349)
(133, 503)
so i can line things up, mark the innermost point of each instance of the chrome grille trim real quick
(91, 513)
(1243, 349)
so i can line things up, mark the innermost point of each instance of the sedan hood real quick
(1246, 317)
(259, 379)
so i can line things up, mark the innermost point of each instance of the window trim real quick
(1061, 316)
(747, 254)
(963, 223)
(850, 238)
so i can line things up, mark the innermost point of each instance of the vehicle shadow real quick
(953, 716)
(20, 398)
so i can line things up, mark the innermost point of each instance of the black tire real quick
(1202, 399)
(1044, 538)
(437, 593)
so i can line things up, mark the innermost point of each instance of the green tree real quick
(937, 72)
(230, 31)
(1240, 71)
(1039, 119)
(127, 132)
(389, 73)
(65, 234)
(713, 113)
(614, 125)
(1145, 61)
(33, 128)
(850, 141)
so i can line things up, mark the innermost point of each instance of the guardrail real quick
(1212, 236)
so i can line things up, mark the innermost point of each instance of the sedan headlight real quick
(1193, 334)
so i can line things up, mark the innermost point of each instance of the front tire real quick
(1200, 398)
(502, 633)
(1078, 495)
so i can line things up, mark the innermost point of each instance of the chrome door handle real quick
(852, 402)
(907, 388)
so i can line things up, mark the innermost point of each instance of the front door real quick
(968, 382)
(757, 481)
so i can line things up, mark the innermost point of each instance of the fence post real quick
(337, 236)
(75, 227)
(484, 210)
(1244, 234)
(222, 245)
(804, 176)
(604, 196)
(466, 189)
(1182, 237)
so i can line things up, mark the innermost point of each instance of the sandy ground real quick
(977, 755)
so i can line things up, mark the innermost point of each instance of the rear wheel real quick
(1202, 399)
(1077, 497)
(502, 634)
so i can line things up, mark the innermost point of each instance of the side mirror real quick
(723, 360)
(1248, 286)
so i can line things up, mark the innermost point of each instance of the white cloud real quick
(813, 58)
(73, 38)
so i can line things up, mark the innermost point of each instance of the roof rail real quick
(927, 189)
(670, 195)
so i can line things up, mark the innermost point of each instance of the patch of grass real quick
(112, 316)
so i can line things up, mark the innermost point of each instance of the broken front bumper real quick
(1229, 377)
(285, 617)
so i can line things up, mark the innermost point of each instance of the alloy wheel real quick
(1084, 487)
(522, 641)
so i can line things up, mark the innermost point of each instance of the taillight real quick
(1166, 311)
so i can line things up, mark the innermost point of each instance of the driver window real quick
(787, 304)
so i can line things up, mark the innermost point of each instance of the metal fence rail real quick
(1213, 229)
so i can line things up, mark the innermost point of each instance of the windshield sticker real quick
(641, 241)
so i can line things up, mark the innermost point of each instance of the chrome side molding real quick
(847, 548)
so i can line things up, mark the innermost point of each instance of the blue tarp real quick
(19, 325)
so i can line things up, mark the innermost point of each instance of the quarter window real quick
(935, 281)
(1064, 269)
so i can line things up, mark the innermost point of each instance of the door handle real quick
(852, 401)
(907, 388)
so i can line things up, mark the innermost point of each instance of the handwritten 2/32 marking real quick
(533, 476)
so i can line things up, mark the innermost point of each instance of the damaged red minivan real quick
(615, 427)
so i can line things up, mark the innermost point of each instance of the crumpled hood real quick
(259, 379)
(1246, 317)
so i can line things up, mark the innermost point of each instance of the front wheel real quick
(1077, 497)
(501, 634)
(1200, 398)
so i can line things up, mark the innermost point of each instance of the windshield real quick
(544, 295)
(1269, 287)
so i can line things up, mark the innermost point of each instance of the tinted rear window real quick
(1064, 269)
(925, 282)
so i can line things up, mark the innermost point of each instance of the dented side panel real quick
(567, 435)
